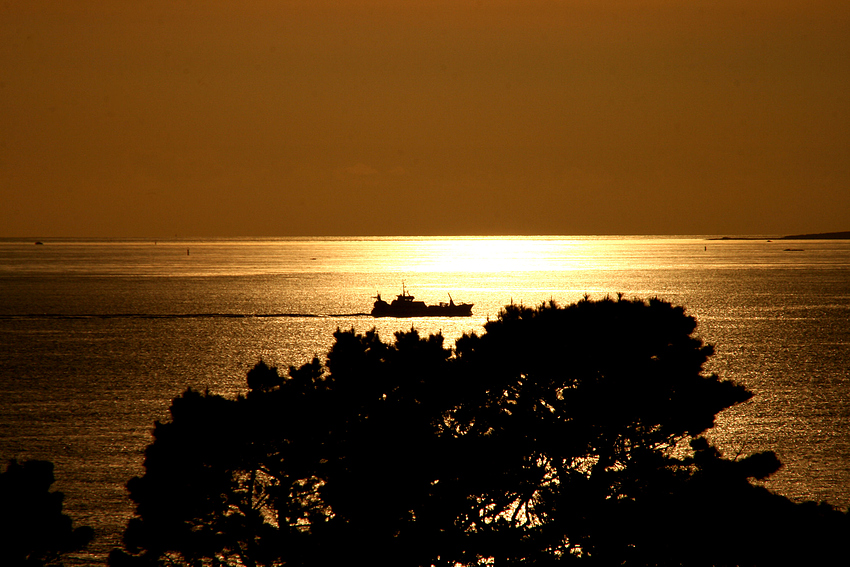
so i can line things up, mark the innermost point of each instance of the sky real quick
(164, 118)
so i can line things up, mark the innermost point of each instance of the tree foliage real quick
(558, 435)
(33, 530)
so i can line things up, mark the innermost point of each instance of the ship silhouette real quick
(405, 305)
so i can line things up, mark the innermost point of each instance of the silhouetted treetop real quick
(617, 375)
(33, 530)
(559, 434)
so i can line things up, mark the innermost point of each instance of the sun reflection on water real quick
(496, 255)
(107, 334)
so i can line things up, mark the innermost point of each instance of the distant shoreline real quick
(182, 241)
(819, 236)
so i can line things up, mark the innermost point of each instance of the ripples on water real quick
(97, 337)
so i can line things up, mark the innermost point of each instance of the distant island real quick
(819, 236)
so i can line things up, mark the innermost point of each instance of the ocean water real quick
(97, 337)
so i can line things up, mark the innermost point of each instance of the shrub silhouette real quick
(33, 529)
(558, 435)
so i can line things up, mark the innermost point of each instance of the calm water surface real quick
(97, 337)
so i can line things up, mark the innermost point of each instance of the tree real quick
(558, 435)
(33, 529)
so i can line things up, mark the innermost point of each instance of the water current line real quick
(178, 316)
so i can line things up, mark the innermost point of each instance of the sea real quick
(98, 336)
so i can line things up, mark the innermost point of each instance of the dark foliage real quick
(33, 530)
(559, 435)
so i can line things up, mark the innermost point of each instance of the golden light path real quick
(494, 254)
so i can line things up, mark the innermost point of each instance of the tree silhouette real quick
(33, 529)
(558, 435)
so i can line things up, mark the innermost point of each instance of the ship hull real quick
(388, 310)
(405, 305)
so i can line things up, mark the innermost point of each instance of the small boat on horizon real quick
(405, 305)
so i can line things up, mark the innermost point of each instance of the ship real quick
(405, 305)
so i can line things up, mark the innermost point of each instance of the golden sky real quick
(262, 118)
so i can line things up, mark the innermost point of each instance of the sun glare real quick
(498, 255)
